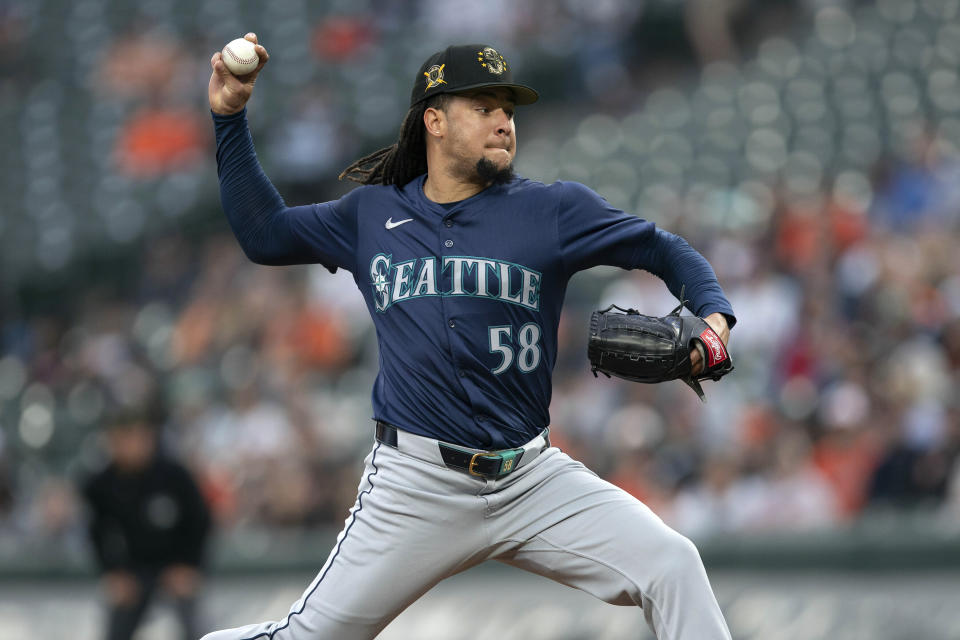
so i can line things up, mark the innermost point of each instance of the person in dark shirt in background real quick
(148, 526)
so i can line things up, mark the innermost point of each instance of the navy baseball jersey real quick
(466, 296)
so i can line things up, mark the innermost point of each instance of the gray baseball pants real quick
(416, 522)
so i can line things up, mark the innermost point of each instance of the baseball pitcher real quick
(463, 266)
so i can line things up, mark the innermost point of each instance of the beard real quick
(488, 172)
(483, 172)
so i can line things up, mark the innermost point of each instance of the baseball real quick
(240, 56)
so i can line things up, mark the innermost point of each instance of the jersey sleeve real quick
(592, 232)
(268, 231)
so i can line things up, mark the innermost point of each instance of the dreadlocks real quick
(405, 159)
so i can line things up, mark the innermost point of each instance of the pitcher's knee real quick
(675, 558)
(660, 571)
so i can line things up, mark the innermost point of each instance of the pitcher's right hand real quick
(228, 94)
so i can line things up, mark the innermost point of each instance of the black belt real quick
(484, 464)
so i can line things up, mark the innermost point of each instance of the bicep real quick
(592, 232)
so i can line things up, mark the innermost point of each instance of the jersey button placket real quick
(451, 322)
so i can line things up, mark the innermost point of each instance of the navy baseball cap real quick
(467, 66)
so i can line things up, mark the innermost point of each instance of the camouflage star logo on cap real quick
(434, 76)
(472, 66)
(492, 61)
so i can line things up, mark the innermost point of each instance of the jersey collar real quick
(414, 190)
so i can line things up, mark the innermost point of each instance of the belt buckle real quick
(473, 463)
(507, 459)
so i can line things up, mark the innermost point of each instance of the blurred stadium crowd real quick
(811, 150)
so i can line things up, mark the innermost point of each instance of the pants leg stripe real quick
(353, 519)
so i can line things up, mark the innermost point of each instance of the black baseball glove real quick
(649, 349)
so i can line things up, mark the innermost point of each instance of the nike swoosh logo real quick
(391, 224)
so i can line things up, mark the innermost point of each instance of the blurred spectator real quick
(160, 140)
(720, 503)
(709, 26)
(915, 469)
(799, 497)
(142, 64)
(450, 22)
(339, 38)
(13, 33)
(310, 140)
(148, 526)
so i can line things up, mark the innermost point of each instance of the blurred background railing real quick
(809, 148)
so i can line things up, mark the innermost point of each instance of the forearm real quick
(252, 204)
(682, 267)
